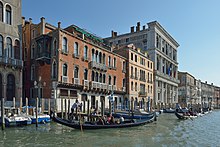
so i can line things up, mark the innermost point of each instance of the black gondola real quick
(90, 125)
(183, 116)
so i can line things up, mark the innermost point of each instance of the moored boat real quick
(185, 116)
(92, 125)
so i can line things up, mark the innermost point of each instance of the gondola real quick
(91, 125)
(184, 116)
(169, 110)
(126, 115)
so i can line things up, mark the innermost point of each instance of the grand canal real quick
(167, 131)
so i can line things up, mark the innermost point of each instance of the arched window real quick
(109, 80)
(132, 85)
(96, 56)
(93, 76)
(100, 57)
(32, 52)
(114, 62)
(65, 69)
(103, 59)
(103, 78)
(85, 52)
(1, 12)
(85, 74)
(76, 72)
(109, 61)
(9, 47)
(1, 45)
(96, 76)
(100, 78)
(17, 49)
(64, 45)
(135, 86)
(54, 70)
(55, 48)
(93, 55)
(32, 72)
(10, 87)
(8, 14)
(76, 49)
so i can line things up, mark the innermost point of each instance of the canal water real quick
(167, 131)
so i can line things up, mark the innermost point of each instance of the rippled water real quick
(167, 131)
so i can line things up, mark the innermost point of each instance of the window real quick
(1, 12)
(85, 74)
(10, 87)
(96, 76)
(135, 86)
(135, 72)
(8, 14)
(109, 61)
(17, 49)
(131, 56)
(32, 52)
(124, 83)
(55, 48)
(85, 52)
(114, 63)
(124, 66)
(103, 58)
(32, 72)
(9, 48)
(132, 71)
(76, 72)
(148, 64)
(1, 44)
(132, 86)
(109, 80)
(64, 45)
(54, 70)
(127, 40)
(93, 76)
(76, 49)
(65, 69)
(135, 58)
(114, 82)
(100, 78)
(103, 78)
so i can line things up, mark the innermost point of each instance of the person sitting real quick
(111, 119)
(100, 121)
(121, 119)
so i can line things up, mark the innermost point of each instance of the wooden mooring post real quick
(65, 109)
(37, 112)
(27, 106)
(88, 113)
(2, 113)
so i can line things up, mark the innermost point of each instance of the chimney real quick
(23, 21)
(138, 27)
(42, 19)
(143, 27)
(113, 34)
(30, 20)
(132, 29)
(59, 23)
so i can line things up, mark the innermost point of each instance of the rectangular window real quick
(135, 58)
(132, 56)
(114, 80)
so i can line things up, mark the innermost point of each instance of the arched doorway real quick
(10, 87)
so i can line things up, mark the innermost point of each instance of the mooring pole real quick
(37, 112)
(2, 113)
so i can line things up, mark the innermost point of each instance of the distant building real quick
(139, 75)
(162, 50)
(207, 94)
(11, 63)
(188, 90)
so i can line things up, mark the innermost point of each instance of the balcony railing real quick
(105, 86)
(86, 83)
(75, 55)
(110, 87)
(85, 58)
(93, 85)
(64, 79)
(10, 61)
(114, 87)
(167, 77)
(75, 81)
(142, 93)
(96, 65)
(98, 85)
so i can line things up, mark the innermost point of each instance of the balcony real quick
(132, 76)
(124, 89)
(85, 58)
(11, 62)
(75, 81)
(143, 80)
(96, 65)
(114, 87)
(85, 83)
(109, 87)
(76, 55)
(93, 85)
(105, 86)
(167, 77)
(64, 79)
(98, 85)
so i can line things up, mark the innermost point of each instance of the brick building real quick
(70, 63)
(10, 50)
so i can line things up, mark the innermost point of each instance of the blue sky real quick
(195, 25)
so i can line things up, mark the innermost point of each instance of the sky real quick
(194, 24)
